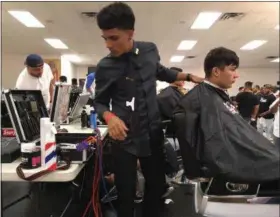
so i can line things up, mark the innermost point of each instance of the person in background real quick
(260, 93)
(256, 89)
(265, 121)
(248, 104)
(37, 75)
(75, 88)
(63, 79)
(170, 96)
(274, 108)
(233, 98)
(90, 85)
(75, 92)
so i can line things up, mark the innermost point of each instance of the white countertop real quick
(215, 209)
(8, 172)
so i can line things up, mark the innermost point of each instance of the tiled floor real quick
(55, 196)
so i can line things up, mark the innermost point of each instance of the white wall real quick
(258, 76)
(12, 65)
(81, 71)
(67, 69)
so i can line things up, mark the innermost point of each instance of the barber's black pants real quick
(125, 180)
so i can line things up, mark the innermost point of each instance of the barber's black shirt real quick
(246, 103)
(133, 74)
(265, 102)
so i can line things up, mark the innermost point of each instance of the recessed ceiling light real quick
(186, 45)
(27, 19)
(253, 45)
(277, 27)
(177, 59)
(56, 43)
(72, 58)
(275, 60)
(205, 20)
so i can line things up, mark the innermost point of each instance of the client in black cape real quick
(215, 141)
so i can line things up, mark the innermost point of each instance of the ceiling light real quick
(253, 45)
(277, 27)
(72, 58)
(186, 45)
(56, 43)
(275, 60)
(27, 19)
(205, 20)
(177, 59)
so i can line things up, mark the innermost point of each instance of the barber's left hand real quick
(195, 79)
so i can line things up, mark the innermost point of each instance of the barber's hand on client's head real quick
(116, 127)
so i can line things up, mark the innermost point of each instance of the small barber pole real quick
(48, 145)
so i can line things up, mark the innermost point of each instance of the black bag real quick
(216, 141)
(171, 163)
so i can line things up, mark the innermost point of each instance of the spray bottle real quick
(48, 145)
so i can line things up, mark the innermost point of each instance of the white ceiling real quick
(165, 23)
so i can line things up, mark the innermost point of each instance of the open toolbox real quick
(25, 108)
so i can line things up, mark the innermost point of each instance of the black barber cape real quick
(216, 141)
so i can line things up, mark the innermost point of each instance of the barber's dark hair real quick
(219, 57)
(116, 15)
(248, 84)
(176, 69)
(74, 81)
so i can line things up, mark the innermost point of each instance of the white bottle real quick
(48, 145)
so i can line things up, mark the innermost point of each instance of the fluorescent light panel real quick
(253, 45)
(177, 59)
(56, 43)
(27, 19)
(275, 60)
(205, 20)
(72, 58)
(186, 45)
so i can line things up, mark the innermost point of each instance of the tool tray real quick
(25, 108)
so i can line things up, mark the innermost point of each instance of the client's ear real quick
(216, 72)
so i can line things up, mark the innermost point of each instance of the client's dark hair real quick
(176, 69)
(116, 15)
(219, 57)
(240, 88)
(248, 84)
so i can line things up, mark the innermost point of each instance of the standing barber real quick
(128, 77)
(37, 75)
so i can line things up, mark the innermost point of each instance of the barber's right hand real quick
(117, 128)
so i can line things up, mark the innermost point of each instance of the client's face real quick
(227, 76)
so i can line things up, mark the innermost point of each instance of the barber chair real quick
(210, 190)
(169, 133)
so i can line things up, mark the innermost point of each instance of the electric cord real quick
(103, 179)
(98, 179)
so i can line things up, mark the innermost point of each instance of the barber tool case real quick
(10, 150)
(67, 146)
(25, 108)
